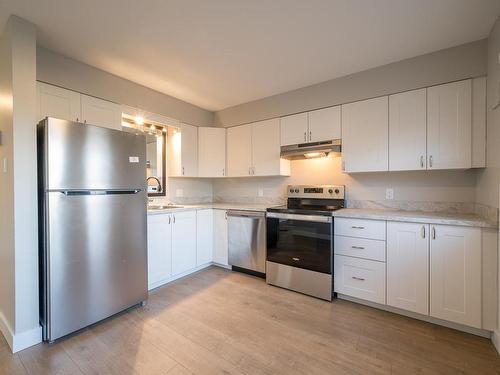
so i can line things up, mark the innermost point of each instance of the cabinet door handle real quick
(358, 278)
(169, 219)
(422, 161)
(305, 136)
(310, 136)
(357, 227)
(253, 170)
(249, 170)
(422, 231)
(343, 165)
(433, 233)
(358, 247)
(173, 218)
(223, 171)
(183, 171)
(225, 214)
(430, 161)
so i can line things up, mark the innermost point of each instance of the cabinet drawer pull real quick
(358, 278)
(357, 227)
(423, 231)
(358, 247)
(295, 259)
(422, 161)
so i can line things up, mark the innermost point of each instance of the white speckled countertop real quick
(470, 220)
(218, 206)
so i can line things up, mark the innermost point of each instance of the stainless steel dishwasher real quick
(247, 241)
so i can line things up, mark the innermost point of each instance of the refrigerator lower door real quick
(95, 258)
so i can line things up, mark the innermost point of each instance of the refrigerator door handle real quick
(99, 192)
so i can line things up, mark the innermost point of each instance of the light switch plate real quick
(389, 193)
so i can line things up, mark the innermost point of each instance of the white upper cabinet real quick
(57, 102)
(455, 274)
(183, 151)
(239, 151)
(408, 266)
(266, 149)
(211, 152)
(479, 122)
(365, 126)
(101, 112)
(294, 129)
(449, 128)
(407, 131)
(325, 124)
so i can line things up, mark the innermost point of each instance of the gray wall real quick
(65, 72)
(18, 188)
(464, 61)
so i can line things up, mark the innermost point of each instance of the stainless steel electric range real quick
(300, 240)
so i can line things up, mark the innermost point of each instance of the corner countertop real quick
(217, 206)
(469, 220)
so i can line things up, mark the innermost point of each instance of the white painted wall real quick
(19, 295)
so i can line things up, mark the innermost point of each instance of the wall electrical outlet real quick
(389, 193)
(261, 192)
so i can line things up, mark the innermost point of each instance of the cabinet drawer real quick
(360, 278)
(359, 248)
(373, 229)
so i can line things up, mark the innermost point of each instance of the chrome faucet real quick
(157, 180)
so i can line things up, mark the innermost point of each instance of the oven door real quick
(303, 241)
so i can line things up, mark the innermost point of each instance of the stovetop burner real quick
(312, 200)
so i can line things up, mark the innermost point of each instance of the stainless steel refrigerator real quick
(92, 224)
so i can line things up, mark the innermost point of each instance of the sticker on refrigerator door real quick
(133, 159)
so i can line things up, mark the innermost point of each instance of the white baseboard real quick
(176, 277)
(21, 340)
(495, 339)
(430, 319)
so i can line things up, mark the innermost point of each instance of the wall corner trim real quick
(22, 340)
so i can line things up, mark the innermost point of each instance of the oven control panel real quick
(316, 191)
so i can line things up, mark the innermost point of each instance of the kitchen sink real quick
(165, 207)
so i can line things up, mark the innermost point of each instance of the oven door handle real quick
(313, 218)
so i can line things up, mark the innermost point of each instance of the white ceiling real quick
(219, 53)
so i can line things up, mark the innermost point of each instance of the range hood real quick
(311, 150)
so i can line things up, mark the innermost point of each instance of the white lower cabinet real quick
(408, 266)
(183, 242)
(455, 274)
(159, 249)
(220, 237)
(204, 236)
(360, 278)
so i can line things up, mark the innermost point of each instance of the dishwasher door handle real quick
(249, 214)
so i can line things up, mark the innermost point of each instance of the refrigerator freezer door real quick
(82, 156)
(97, 258)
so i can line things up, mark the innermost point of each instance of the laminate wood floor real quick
(220, 322)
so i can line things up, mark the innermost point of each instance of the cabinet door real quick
(408, 266)
(294, 129)
(220, 237)
(239, 151)
(57, 102)
(407, 131)
(455, 284)
(204, 236)
(449, 125)
(189, 150)
(211, 152)
(159, 249)
(183, 242)
(266, 148)
(101, 112)
(325, 124)
(365, 126)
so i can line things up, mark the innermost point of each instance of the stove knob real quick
(296, 190)
(291, 190)
(337, 191)
(330, 191)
